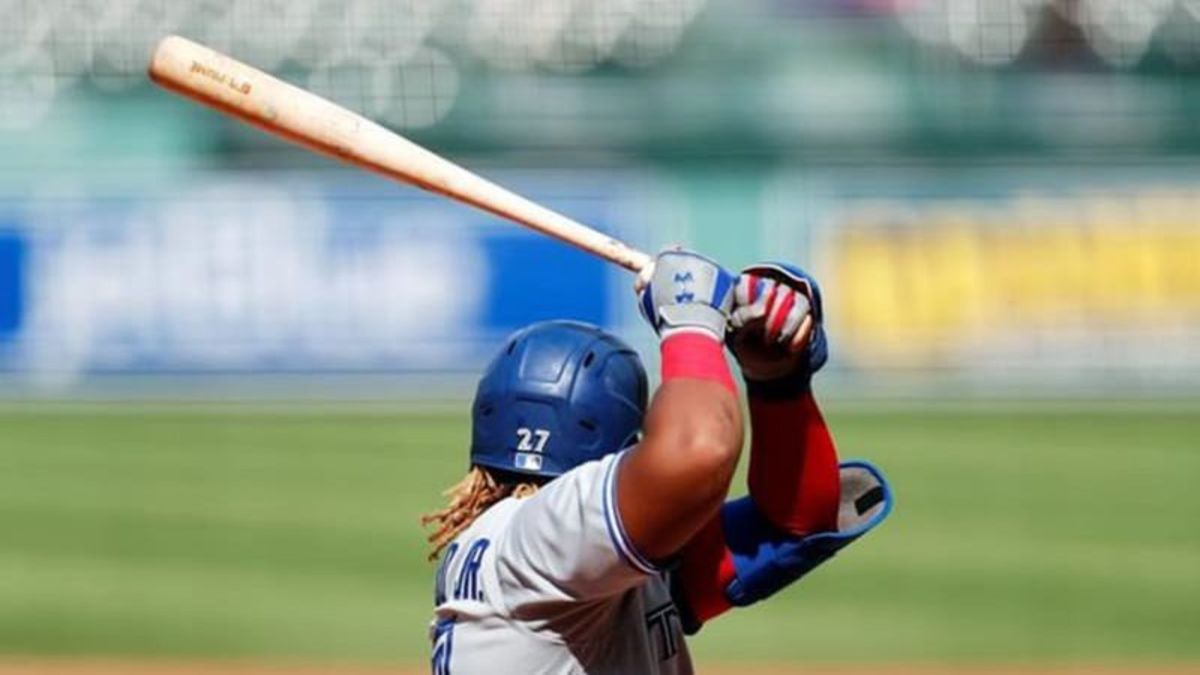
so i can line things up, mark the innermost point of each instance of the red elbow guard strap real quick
(696, 356)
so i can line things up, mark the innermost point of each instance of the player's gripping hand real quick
(777, 335)
(687, 292)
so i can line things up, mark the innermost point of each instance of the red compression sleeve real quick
(697, 356)
(794, 477)
(706, 572)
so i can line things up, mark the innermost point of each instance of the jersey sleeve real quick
(567, 542)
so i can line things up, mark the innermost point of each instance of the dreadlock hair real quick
(469, 498)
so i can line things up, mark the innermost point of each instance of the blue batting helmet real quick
(560, 393)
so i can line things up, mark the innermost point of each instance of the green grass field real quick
(1065, 533)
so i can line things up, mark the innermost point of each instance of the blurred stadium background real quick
(232, 373)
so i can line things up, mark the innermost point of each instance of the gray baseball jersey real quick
(551, 585)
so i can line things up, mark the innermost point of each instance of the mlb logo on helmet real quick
(527, 461)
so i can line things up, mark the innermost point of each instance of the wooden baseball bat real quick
(234, 88)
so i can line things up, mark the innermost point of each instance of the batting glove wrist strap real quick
(695, 318)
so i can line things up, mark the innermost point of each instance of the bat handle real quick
(643, 276)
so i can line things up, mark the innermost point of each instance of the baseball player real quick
(592, 531)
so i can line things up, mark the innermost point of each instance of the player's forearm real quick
(680, 474)
(793, 474)
(694, 434)
(696, 420)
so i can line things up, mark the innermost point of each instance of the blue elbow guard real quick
(766, 559)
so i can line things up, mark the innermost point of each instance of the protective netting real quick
(399, 59)
(405, 61)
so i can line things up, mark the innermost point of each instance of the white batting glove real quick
(687, 292)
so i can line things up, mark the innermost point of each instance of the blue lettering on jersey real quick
(663, 622)
(443, 645)
(467, 587)
(439, 586)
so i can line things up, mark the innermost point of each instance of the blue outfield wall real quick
(261, 274)
(331, 273)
